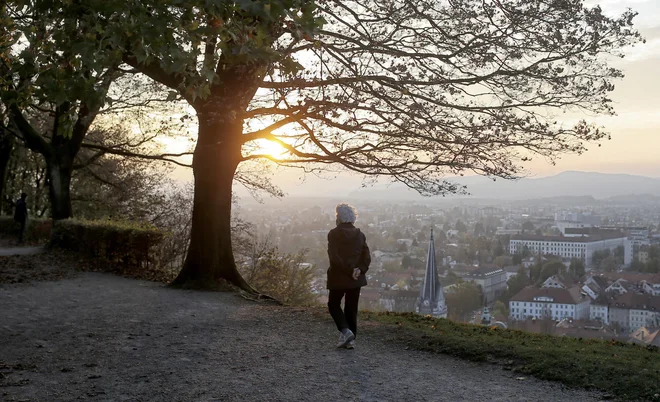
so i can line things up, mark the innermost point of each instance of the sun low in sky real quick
(269, 148)
(635, 130)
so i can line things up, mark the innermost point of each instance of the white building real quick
(652, 287)
(636, 238)
(512, 271)
(635, 310)
(619, 286)
(552, 302)
(563, 225)
(566, 247)
(556, 282)
(629, 311)
(622, 282)
(643, 317)
(492, 280)
(573, 220)
(599, 311)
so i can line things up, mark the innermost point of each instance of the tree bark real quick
(6, 147)
(59, 187)
(210, 258)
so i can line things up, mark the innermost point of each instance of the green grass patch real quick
(626, 371)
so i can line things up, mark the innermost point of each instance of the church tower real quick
(431, 299)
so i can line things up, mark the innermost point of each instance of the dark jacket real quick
(21, 212)
(347, 249)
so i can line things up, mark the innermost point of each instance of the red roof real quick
(631, 277)
(636, 301)
(563, 296)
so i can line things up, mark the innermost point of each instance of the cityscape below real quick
(589, 270)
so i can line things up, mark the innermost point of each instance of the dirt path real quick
(99, 337)
(6, 252)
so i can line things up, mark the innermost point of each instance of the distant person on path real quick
(349, 261)
(20, 216)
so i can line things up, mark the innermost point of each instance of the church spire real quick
(431, 299)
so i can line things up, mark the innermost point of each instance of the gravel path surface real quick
(99, 337)
(5, 252)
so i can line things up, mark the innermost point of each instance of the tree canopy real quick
(412, 91)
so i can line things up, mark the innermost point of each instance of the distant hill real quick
(616, 187)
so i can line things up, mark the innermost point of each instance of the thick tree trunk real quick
(6, 147)
(59, 188)
(210, 256)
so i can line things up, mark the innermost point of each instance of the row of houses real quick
(589, 329)
(627, 304)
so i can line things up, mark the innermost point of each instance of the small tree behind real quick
(549, 269)
(285, 277)
(463, 300)
(514, 285)
(609, 264)
(576, 269)
(500, 309)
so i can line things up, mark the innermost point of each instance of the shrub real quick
(284, 276)
(37, 230)
(122, 243)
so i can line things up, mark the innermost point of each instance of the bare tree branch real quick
(123, 152)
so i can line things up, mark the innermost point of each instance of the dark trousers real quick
(348, 317)
(21, 231)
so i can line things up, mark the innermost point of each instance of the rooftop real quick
(646, 335)
(512, 268)
(601, 281)
(636, 301)
(590, 231)
(582, 239)
(400, 294)
(630, 277)
(484, 271)
(552, 295)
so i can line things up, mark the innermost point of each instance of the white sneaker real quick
(345, 338)
(351, 344)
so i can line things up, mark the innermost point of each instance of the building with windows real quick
(599, 310)
(555, 281)
(575, 220)
(581, 247)
(551, 302)
(401, 301)
(492, 280)
(631, 311)
(652, 286)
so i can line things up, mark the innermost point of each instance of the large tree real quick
(52, 92)
(6, 148)
(6, 138)
(57, 83)
(409, 90)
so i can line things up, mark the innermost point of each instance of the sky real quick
(635, 129)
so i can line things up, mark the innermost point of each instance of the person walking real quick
(349, 262)
(20, 215)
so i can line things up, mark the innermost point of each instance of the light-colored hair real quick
(345, 213)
